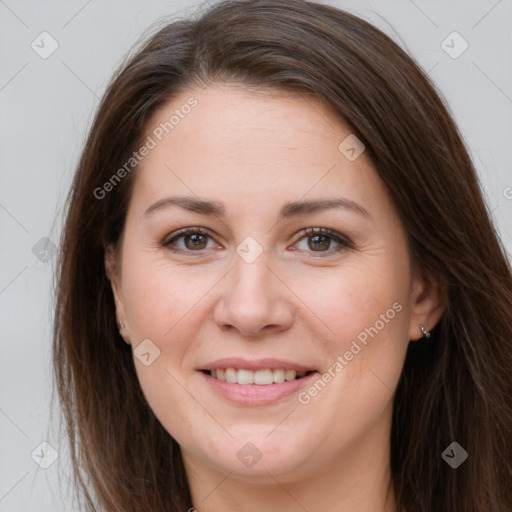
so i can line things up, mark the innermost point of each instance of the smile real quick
(243, 393)
(263, 377)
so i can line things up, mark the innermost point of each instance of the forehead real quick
(224, 117)
(232, 143)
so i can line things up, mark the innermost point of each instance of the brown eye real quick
(194, 239)
(320, 240)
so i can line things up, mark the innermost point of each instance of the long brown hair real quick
(455, 387)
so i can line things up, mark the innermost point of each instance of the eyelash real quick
(344, 242)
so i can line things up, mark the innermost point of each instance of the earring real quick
(120, 326)
(425, 331)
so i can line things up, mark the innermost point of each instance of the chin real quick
(256, 455)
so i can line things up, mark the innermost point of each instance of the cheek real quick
(159, 305)
(155, 295)
(166, 305)
(361, 319)
(345, 301)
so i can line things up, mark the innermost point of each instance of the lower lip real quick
(254, 394)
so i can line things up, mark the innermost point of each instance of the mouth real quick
(263, 377)
(256, 383)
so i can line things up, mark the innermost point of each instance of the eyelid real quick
(183, 232)
(343, 241)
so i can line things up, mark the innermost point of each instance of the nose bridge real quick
(252, 297)
(251, 281)
(251, 272)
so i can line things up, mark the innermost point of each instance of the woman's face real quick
(300, 264)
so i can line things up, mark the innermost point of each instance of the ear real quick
(428, 301)
(112, 269)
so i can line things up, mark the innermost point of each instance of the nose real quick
(254, 299)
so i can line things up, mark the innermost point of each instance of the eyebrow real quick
(289, 210)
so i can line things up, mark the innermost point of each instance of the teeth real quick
(260, 377)
(246, 377)
(290, 374)
(278, 376)
(231, 375)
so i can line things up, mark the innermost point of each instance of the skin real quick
(300, 300)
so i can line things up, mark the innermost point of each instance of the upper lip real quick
(255, 364)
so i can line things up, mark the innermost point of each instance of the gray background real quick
(47, 107)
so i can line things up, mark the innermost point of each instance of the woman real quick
(279, 287)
